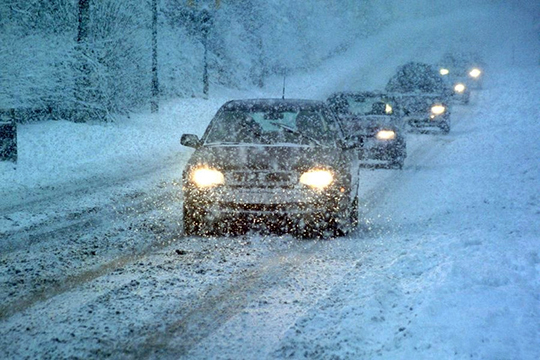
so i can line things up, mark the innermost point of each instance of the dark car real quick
(423, 96)
(373, 120)
(462, 67)
(278, 163)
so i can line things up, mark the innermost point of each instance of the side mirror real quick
(190, 140)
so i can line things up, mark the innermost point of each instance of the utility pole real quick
(205, 29)
(154, 103)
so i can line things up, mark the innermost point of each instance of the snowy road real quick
(445, 255)
(445, 263)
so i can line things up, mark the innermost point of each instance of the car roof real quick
(359, 93)
(273, 103)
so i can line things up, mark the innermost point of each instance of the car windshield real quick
(366, 106)
(416, 77)
(269, 126)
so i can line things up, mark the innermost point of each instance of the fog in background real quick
(249, 42)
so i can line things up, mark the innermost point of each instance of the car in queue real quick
(462, 68)
(423, 96)
(373, 120)
(279, 164)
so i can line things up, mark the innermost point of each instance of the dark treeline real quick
(45, 68)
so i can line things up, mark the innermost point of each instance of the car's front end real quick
(226, 186)
(425, 111)
(476, 77)
(282, 177)
(381, 140)
(461, 93)
(370, 118)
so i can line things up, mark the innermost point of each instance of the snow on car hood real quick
(261, 157)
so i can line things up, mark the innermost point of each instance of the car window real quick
(270, 126)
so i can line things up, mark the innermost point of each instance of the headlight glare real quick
(475, 73)
(388, 109)
(385, 135)
(444, 71)
(206, 177)
(459, 88)
(317, 179)
(438, 109)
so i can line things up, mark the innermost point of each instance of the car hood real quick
(419, 103)
(264, 157)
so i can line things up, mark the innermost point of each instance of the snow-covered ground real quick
(445, 264)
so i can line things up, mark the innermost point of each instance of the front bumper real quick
(462, 98)
(225, 202)
(425, 121)
(382, 150)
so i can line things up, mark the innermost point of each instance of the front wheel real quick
(445, 128)
(345, 223)
(195, 222)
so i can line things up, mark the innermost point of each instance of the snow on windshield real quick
(270, 127)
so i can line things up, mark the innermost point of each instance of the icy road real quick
(445, 263)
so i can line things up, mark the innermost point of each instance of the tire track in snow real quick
(218, 306)
(52, 239)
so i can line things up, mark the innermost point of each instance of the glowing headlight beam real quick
(317, 179)
(206, 177)
(438, 109)
(475, 73)
(459, 88)
(444, 71)
(385, 135)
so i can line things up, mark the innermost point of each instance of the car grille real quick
(261, 179)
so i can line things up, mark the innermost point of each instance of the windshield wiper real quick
(294, 131)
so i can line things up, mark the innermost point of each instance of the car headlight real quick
(388, 109)
(444, 71)
(206, 177)
(318, 179)
(438, 109)
(459, 88)
(475, 73)
(385, 135)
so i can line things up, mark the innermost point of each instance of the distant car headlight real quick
(444, 71)
(385, 135)
(205, 177)
(388, 109)
(317, 179)
(438, 109)
(475, 73)
(459, 88)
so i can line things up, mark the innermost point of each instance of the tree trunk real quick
(82, 73)
(154, 104)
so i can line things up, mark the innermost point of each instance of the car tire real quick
(346, 223)
(397, 163)
(445, 128)
(192, 220)
(195, 223)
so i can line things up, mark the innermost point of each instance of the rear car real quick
(374, 121)
(272, 163)
(462, 68)
(423, 96)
